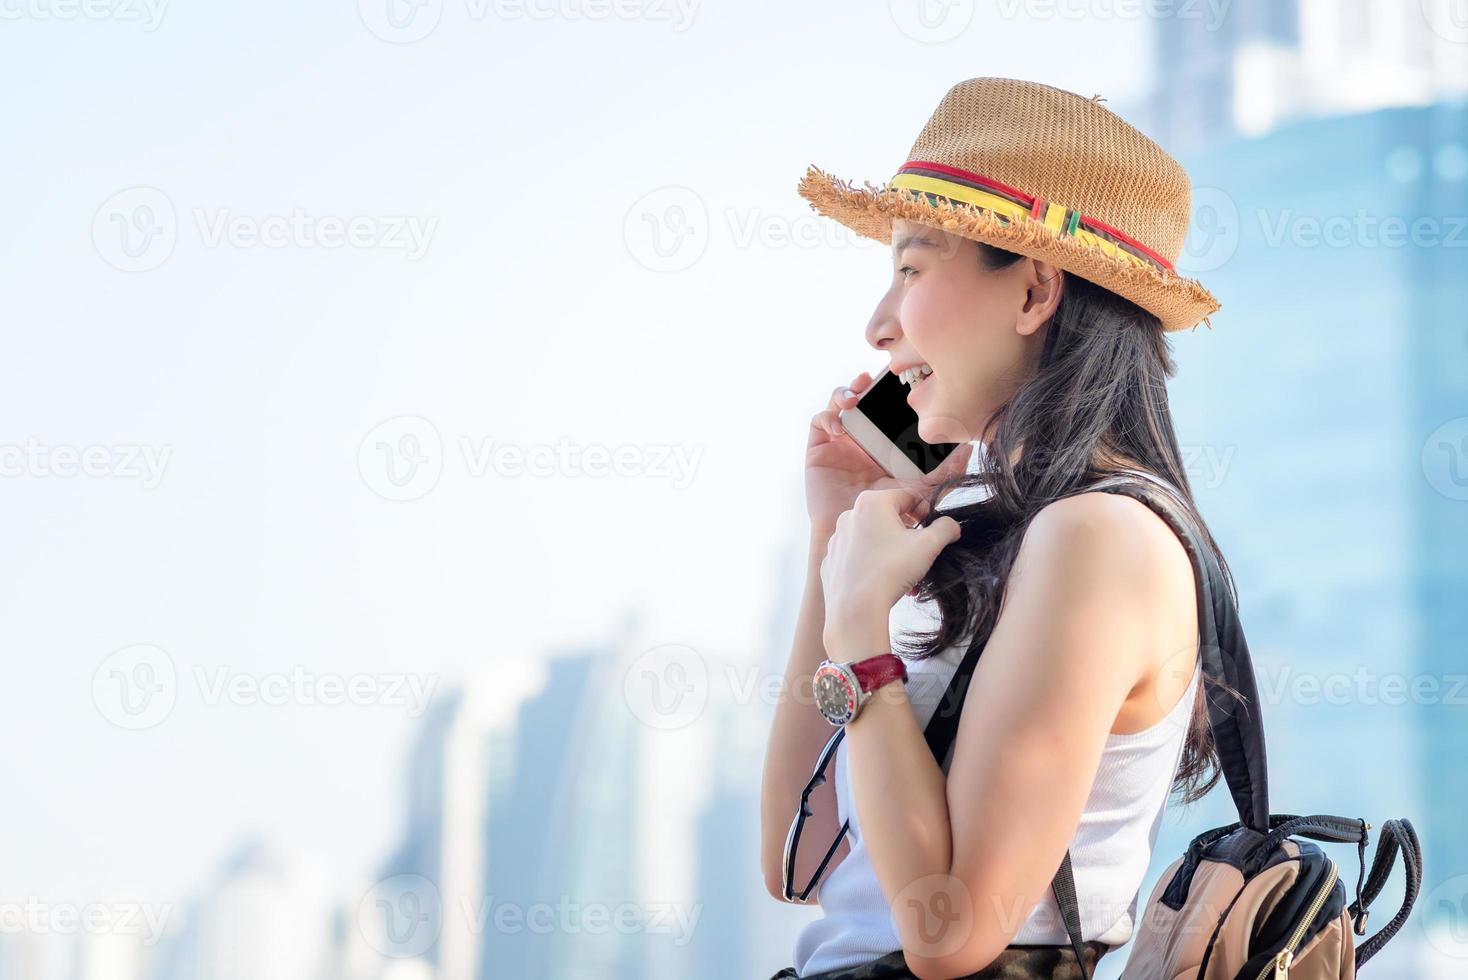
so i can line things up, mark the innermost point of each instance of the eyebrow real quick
(911, 240)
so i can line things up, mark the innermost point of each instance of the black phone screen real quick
(885, 403)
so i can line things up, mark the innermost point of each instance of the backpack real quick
(1251, 901)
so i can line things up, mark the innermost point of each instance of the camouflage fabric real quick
(1015, 963)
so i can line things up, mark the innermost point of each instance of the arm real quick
(796, 737)
(963, 861)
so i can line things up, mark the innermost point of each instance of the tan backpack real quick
(1249, 901)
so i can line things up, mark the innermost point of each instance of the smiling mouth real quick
(913, 376)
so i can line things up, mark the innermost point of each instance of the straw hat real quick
(1045, 172)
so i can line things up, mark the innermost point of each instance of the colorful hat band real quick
(966, 187)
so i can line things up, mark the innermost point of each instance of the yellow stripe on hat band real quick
(1055, 216)
(967, 195)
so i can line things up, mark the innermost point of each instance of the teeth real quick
(913, 375)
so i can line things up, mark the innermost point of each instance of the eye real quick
(904, 271)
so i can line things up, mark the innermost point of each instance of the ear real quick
(1046, 285)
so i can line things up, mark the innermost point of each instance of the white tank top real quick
(1109, 853)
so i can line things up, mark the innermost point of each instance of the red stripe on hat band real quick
(1096, 222)
(969, 175)
(1034, 202)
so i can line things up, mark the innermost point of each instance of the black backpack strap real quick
(1237, 725)
(1064, 887)
(1318, 826)
(1395, 834)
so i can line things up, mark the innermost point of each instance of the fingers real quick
(842, 398)
(847, 395)
(908, 499)
(901, 498)
(943, 532)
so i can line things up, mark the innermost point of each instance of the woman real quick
(1034, 234)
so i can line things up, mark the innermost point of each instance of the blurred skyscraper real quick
(1328, 149)
(1326, 420)
(624, 815)
(1245, 67)
(552, 814)
(24, 956)
(268, 914)
(434, 887)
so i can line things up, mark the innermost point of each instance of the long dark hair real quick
(1097, 401)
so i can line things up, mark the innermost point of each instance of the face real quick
(980, 331)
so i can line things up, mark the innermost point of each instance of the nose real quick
(883, 331)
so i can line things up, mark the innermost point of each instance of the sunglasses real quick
(792, 839)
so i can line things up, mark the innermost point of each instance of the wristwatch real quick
(842, 688)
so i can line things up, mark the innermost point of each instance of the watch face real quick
(835, 693)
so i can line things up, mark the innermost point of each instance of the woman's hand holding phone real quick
(837, 469)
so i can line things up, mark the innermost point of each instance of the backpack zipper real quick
(1281, 962)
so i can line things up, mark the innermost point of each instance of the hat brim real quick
(1177, 301)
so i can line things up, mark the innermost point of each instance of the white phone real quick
(885, 427)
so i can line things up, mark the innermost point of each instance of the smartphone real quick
(885, 427)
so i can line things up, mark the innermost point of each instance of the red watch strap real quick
(884, 668)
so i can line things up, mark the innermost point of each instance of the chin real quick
(935, 427)
(935, 430)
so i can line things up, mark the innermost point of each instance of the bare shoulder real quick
(1107, 558)
(1107, 531)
